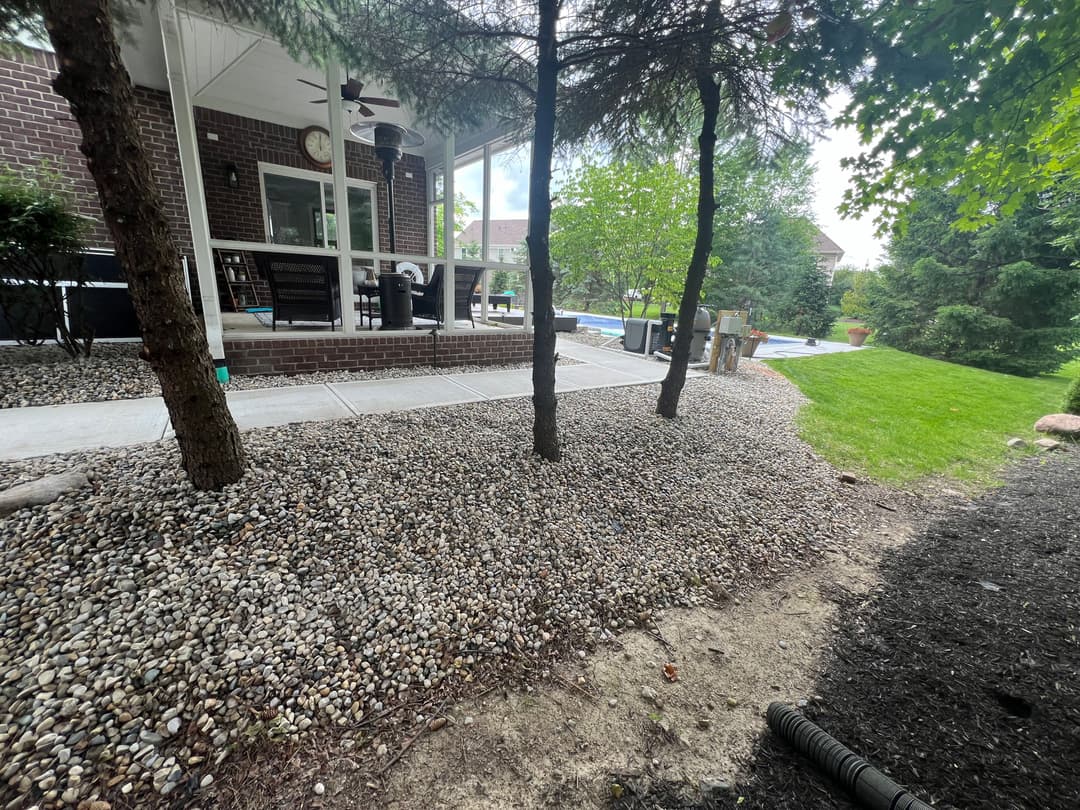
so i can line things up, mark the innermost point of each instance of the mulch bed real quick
(958, 676)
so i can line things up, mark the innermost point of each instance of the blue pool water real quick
(607, 324)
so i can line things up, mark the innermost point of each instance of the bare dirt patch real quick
(561, 742)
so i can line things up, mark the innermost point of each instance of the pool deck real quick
(792, 347)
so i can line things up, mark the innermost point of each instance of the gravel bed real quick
(44, 375)
(146, 629)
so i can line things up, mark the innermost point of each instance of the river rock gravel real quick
(146, 629)
(45, 375)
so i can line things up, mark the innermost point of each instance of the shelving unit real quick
(237, 280)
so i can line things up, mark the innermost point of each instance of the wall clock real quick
(315, 146)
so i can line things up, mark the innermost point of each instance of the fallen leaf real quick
(671, 672)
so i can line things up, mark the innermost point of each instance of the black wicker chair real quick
(302, 288)
(428, 298)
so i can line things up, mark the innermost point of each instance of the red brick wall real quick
(238, 214)
(36, 124)
(296, 356)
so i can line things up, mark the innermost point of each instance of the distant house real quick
(506, 240)
(829, 253)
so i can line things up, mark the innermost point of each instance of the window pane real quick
(361, 232)
(294, 207)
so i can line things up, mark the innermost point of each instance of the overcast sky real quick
(855, 237)
(510, 192)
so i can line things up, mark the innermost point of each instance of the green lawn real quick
(900, 418)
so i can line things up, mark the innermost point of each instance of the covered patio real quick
(268, 158)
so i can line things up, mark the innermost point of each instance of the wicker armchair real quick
(428, 298)
(302, 288)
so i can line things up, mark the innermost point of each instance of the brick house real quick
(224, 112)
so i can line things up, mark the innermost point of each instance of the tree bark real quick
(545, 429)
(667, 404)
(93, 80)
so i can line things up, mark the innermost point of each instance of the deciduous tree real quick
(980, 98)
(624, 227)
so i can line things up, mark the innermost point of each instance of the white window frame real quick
(321, 178)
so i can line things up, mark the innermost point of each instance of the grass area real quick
(900, 418)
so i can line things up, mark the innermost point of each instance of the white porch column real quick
(485, 233)
(191, 171)
(341, 194)
(527, 320)
(448, 235)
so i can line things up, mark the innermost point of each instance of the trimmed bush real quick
(1072, 398)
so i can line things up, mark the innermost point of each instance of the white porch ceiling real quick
(244, 72)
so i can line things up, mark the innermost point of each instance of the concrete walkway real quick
(28, 432)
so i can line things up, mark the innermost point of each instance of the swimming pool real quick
(607, 324)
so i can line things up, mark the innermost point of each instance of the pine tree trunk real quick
(545, 429)
(671, 388)
(93, 80)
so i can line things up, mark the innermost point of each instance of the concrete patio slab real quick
(49, 429)
(575, 378)
(281, 406)
(497, 384)
(380, 396)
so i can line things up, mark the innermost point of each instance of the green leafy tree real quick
(1004, 298)
(464, 210)
(40, 243)
(763, 236)
(855, 303)
(624, 227)
(843, 280)
(977, 97)
(741, 76)
(806, 311)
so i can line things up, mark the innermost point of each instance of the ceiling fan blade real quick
(364, 110)
(318, 101)
(312, 84)
(380, 102)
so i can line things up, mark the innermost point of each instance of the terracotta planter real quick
(857, 338)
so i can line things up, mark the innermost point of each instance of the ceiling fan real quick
(350, 91)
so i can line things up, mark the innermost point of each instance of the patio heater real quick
(388, 139)
(395, 298)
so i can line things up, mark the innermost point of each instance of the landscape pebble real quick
(144, 633)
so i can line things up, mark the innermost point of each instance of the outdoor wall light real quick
(232, 176)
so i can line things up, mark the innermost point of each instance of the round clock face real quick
(315, 144)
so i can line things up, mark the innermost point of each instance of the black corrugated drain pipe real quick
(871, 787)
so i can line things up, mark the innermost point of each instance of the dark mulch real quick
(966, 694)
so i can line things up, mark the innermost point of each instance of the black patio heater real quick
(388, 140)
(395, 289)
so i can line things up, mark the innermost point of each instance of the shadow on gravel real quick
(958, 677)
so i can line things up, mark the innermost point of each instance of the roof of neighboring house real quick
(502, 232)
(826, 245)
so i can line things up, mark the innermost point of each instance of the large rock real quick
(1061, 424)
(44, 490)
